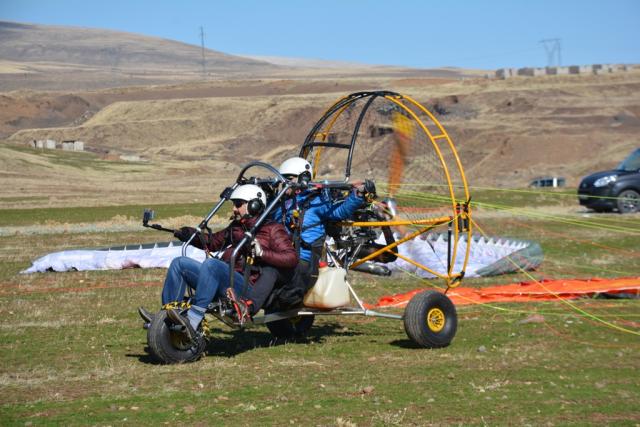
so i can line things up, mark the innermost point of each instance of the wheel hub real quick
(630, 203)
(436, 319)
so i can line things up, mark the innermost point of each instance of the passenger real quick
(305, 214)
(272, 246)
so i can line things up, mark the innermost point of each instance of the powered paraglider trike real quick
(395, 141)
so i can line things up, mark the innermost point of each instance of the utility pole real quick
(553, 48)
(204, 62)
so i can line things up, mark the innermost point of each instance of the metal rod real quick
(354, 136)
(272, 317)
(249, 235)
(449, 249)
(204, 222)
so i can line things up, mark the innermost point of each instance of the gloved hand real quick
(367, 189)
(184, 233)
(387, 209)
(256, 249)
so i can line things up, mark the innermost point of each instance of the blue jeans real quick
(209, 279)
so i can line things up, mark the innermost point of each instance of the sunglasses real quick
(238, 203)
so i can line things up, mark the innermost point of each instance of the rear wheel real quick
(292, 327)
(430, 319)
(169, 346)
(628, 201)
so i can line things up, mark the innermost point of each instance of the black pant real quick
(270, 277)
(287, 287)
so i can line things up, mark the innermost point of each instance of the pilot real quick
(305, 214)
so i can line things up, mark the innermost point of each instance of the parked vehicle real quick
(617, 189)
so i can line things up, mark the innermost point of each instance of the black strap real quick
(297, 232)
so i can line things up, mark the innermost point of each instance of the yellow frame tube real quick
(431, 221)
(444, 134)
(444, 167)
(424, 267)
(392, 245)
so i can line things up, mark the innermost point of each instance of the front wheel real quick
(430, 319)
(292, 327)
(628, 201)
(168, 346)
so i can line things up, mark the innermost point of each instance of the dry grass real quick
(73, 353)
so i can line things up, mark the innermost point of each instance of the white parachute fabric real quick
(487, 256)
(156, 256)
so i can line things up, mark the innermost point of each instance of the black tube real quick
(449, 248)
(354, 135)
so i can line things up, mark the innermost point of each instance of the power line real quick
(204, 63)
(553, 48)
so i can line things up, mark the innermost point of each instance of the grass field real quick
(73, 349)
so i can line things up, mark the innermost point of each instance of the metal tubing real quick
(372, 313)
(272, 317)
(356, 129)
(205, 221)
(449, 249)
(391, 246)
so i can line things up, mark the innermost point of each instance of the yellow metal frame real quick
(324, 135)
(452, 279)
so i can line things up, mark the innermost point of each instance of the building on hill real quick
(48, 144)
(72, 145)
(506, 73)
(556, 71)
(531, 72)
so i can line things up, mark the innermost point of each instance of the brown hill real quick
(91, 47)
(43, 57)
(55, 57)
(507, 132)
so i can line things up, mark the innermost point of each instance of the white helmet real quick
(295, 166)
(253, 195)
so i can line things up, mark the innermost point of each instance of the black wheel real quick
(628, 201)
(292, 327)
(167, 346)
(430, 319)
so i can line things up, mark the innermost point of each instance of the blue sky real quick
(469, 34)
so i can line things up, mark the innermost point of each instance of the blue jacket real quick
(320, 209)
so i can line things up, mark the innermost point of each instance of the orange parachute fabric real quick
(544, 290)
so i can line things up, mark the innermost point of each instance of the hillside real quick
(44, 57)
(507, 132)
(91, 47)
(99, 48)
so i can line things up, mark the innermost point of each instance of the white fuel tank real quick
(330, 290)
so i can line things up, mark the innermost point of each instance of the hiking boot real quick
(146, 315)
(241, 307)
(243, 311)
(183, 323)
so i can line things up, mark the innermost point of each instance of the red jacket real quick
(277, 247)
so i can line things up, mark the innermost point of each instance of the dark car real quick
(614, 189)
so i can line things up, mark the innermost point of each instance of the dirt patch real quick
(41, 111)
